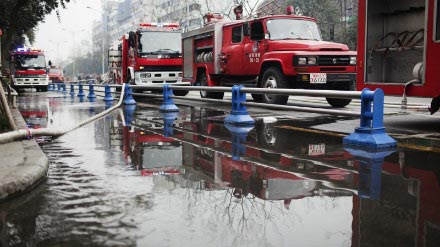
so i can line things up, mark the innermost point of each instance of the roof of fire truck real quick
(33, 51)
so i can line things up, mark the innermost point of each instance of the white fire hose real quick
(28, 133)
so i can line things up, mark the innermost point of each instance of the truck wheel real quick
(257, 97)
(43, 88)
(180, 92)
(205, 94)
(338, 102)
(274, 78)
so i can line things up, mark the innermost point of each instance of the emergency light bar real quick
(155, 24)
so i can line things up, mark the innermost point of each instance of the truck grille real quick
(163, 68)
(334, 60)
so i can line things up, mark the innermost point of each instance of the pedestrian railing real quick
(370, 133)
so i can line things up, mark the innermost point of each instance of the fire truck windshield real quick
(55, 71)
(159, 42)
(28, 61)
(280, 29)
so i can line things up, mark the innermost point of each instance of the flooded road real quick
(141, 178)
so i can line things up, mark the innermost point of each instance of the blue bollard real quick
(91, 94)
(168, 102)
(80, 90)
(72, 89)
(128, 114)
(64, 88)
(168, 122)
(58, 87)
(239, 114)
(128, 97)
(370, 171)
(238, 138)
(108, 95)
(49, 87)
(371, 133)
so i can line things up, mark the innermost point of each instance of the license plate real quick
(316, 149)
(318, 78)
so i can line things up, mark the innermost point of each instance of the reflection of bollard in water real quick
(370, 171)
(238, 137)
(72, 90)
(168, 122)
(128, 114)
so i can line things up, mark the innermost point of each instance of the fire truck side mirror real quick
(131, 39)
(246, 29)
(332, 32)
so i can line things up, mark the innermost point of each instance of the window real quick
(437, 21)
(257, 31)
(237, 34)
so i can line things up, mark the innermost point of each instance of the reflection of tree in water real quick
(240, 217)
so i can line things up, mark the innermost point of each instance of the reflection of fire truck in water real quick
(35, 114)
(152, 153)
(278, 51)
(150, 55)
(28, 69)
(399, 46)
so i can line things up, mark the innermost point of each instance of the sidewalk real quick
(22, 164)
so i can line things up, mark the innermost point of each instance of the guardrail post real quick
(168, 102)
(80, 90)
(64, 88)
(238, 138)
(108, 95)
(58, 87)
(168, 121)
(72, 89)
(239, 114)
(49, 87)
(91, 94)
(371, 133)
(128, 97)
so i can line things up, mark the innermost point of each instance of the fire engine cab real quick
(278, 51)
(28, 69)
(399, 46)
(150, 55)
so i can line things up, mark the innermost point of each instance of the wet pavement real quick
(141, 178)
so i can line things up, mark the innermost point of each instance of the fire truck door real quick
(233, 50)
(253, 49)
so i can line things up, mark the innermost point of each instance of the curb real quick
(23, 164)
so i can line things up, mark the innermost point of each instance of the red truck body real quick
(399, 46)
(150, 55)
(56, 75)
(279, 51)
(28, 69)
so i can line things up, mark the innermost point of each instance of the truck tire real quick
(43, 88)
(212, 95)
(274, 78)
(338, 102)
(180, 92)
(257, 97)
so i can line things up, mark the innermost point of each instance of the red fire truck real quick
(399, 46)
(278, 51)
(56, 74)
(150, 55)
(28, 69)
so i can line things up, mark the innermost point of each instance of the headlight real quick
(353, 60)
(145, 75)
(311, 60)
(302, 61)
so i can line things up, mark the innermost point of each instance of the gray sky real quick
(56, 42)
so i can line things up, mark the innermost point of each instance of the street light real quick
(104, 35)
(73, 46)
